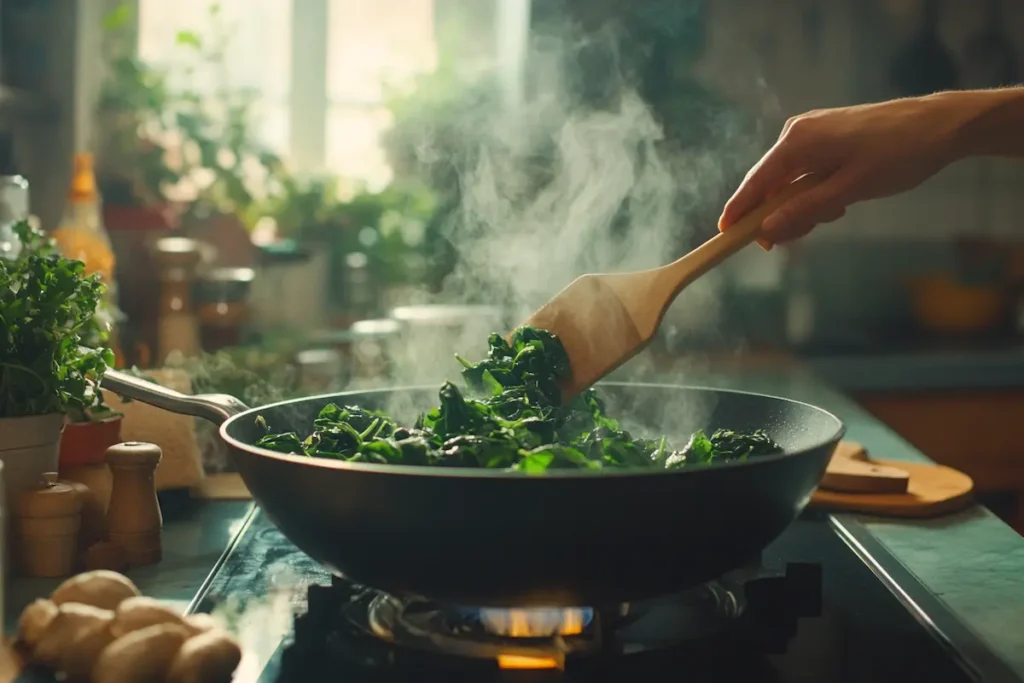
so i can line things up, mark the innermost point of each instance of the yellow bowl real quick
(942, 304)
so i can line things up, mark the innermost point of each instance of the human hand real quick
(861, 152)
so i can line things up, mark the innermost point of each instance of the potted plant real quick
(47, 307)
(230, 173)
(89, 432)
(135, 164)
(170, 155)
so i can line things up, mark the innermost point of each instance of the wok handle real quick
(215, 408)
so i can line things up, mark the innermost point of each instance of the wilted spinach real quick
(513, 418)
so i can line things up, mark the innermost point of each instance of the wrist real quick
(982, 122)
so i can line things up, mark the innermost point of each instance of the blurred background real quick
(301, 195)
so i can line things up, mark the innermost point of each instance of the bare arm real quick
(993, 125)
(875, 150)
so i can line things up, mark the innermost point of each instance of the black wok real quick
(486, 537)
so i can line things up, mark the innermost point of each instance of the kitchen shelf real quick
(25, 106)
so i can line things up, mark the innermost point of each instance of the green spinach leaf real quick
(510, 417)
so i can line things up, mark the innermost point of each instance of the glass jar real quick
(177, 328)
(222, 297)
(320, 370)
(430, 335)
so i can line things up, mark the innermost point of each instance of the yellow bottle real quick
(81, 235)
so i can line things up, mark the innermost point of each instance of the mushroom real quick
(143, 655)
(141, 612)
(101, 588)
(34, 620)
(210, 657)
(73, 623)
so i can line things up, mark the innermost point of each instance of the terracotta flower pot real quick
(86, 443)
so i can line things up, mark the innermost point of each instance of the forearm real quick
(985, 122)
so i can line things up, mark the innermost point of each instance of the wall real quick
(770, 57)
(846, 61)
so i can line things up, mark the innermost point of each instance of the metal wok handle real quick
(215, 408)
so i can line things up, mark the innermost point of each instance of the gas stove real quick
(817, 607)
(370, 635)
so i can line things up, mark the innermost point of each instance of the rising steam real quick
(577, 176)
(561, 184)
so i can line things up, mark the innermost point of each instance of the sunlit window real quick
(258, 54)
(371, 46)
(368, 46)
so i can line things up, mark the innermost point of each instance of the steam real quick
(262, 621)
(566, 182)
(578, 176)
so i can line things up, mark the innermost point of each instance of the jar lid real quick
(322, 358)
(229, 285)
(51, 498)
(443, 314)
(177, 252)
(228, 275)
(384, 327)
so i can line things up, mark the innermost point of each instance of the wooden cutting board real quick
(856, 482)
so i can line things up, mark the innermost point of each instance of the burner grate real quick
(349, 627)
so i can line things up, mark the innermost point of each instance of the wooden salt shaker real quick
(133, 516)
(46, 523)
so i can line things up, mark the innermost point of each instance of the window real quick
(368, 45)
(321, 68)
(258, 55)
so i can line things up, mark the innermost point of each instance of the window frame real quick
(308, 103)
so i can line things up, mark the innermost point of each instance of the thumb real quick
(817, 205)
(777, 168)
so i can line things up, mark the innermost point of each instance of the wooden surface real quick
(850, 471)
(976, 432)
(931, 490)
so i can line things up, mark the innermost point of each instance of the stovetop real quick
(818, 607)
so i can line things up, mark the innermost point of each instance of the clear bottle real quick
(13, 199)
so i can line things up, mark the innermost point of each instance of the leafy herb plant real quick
(47, 306)
(513, 419)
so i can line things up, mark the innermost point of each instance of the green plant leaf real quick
(48, 309)
(188, 39)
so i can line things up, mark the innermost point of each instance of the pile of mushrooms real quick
(97, 627)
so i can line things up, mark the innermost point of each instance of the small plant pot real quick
(29, 448)
(86, 443)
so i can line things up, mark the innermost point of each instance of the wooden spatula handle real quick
(743, 232)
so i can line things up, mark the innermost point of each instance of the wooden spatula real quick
(605, 319)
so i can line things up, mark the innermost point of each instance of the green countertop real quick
(971, 561)
(195, 536)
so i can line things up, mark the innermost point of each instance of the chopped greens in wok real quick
(510, 417)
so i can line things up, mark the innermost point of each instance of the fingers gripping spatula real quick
(604, 319)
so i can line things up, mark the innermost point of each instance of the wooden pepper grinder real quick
(133, 516)
(46, 523)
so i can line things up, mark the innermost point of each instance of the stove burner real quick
(354, 626)
(550, 634)
(533, 622)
